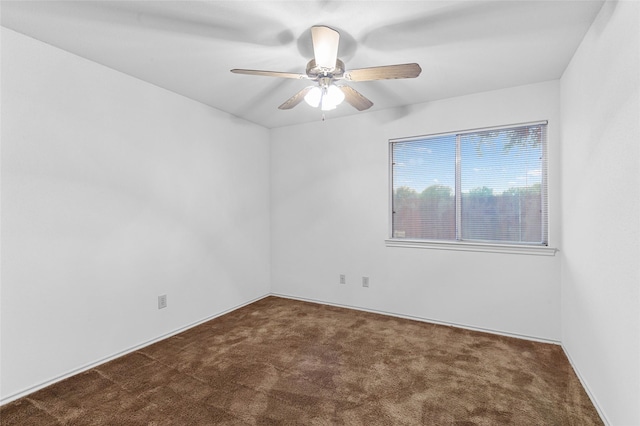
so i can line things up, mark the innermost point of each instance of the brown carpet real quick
(280, 361)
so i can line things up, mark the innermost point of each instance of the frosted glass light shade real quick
(334, 95)
(331, 98)
(326, 97)
(313, 97)
(326, 105)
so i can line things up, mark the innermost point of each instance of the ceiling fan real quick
(327, 71)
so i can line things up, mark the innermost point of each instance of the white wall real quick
(115, 191)
(601, 211)
(330, 216)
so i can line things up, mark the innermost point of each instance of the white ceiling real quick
(189, 47)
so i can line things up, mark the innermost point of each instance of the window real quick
(480, 186)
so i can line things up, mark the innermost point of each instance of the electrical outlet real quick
(162, 301)
(365, 281)
(343, 279)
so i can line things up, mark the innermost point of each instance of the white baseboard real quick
(423, 319)
(31, 389)
(585, 386)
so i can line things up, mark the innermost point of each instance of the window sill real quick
(470, 246)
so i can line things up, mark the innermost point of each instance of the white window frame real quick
(463, 245)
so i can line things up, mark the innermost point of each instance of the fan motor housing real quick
(315, 72)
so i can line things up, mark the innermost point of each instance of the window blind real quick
(486, 185)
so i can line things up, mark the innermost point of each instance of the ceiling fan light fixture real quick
(334, 95)
(313, 97)
(325, 97)
(326, 105)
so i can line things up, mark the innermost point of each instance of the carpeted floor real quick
(280, 361)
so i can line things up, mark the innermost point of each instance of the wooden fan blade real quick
(355, 98)
(269, 73)
(295, 99)
(384, 72)
(325, 46)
